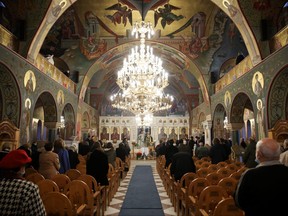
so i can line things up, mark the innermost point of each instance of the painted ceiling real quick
(195, 40)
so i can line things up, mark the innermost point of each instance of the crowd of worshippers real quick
(260, 188)
(49, 160)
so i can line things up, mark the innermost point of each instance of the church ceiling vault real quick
(194, 38)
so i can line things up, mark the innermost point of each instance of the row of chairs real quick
(179, 192)
(106, 193)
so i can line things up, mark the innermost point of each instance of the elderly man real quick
(262, 190)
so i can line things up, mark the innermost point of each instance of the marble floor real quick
(116, 203)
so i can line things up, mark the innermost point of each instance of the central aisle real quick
(117, 201)
(142, 196)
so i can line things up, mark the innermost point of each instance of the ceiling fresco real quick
(193, 38)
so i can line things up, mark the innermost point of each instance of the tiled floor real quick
(116, 203)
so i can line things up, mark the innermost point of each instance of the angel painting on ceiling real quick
(167, 15)
(162, 11)
(123, 14)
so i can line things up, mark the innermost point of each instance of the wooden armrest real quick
(203, 212)
(80, 209)
(193, 199)
(97, 193)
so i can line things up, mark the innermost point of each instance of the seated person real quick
(18, 196)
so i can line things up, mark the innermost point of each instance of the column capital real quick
(235, 126)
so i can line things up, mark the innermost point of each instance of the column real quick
(52, 130)
(207, 125)
(234, 128)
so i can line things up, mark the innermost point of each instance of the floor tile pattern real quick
(116, 203)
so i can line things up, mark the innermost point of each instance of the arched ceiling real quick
(193, 38)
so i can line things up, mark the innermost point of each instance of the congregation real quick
(180, 158)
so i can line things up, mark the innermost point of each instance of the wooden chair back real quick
(90, 181)
(205, 164)
(210, 197)
(73, 174)
(236, 175)
(61, 180)
(224, 172)
(193, 192)
(208, 159)
(46, 186)
(202, 172)
(229, 184)
(213, 168)
(197, 186)
(213, 178)
(232, 167)
(79, 194)
(187, 178)
(227, 207)
(221, 164)
(57, 204)
(34, 177)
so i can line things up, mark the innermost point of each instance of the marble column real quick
(207, 125)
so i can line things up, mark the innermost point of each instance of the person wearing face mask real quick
(183, 147)
(261, 190)
(170, 150)
(18, 196)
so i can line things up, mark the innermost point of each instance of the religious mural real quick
(257, 83)
(30, 81)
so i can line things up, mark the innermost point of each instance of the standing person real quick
(18, 196)
(110, 152)
(49, 163)
(73, 156)
(249, 154)
(63, 155)
(182, 163)
(201, 151)
(262, 190)
(218, 152)
(243, 143)
(183, 146)
(171, 149)
(97, 165)
(120, 152)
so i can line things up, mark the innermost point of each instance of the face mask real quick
(184, 142)
(174, 144)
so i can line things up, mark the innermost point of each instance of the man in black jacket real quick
(262, 190)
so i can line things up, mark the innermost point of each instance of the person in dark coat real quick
(261, 191)
(120, 152)
(182, 163)
(249, 154)
(97, 165)
(171, 149)
(218, 152)
(73, 156)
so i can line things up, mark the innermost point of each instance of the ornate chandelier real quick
(142, 78)
(141, 103)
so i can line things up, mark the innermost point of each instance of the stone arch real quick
(122, 49)
(242, 110)
(10, 96)
(235, 13)
(67, 130)
(277, 99)
(85, 120)
(218, 121)
(201, 119)
(45, 111)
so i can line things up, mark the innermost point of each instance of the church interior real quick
(62, 70)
